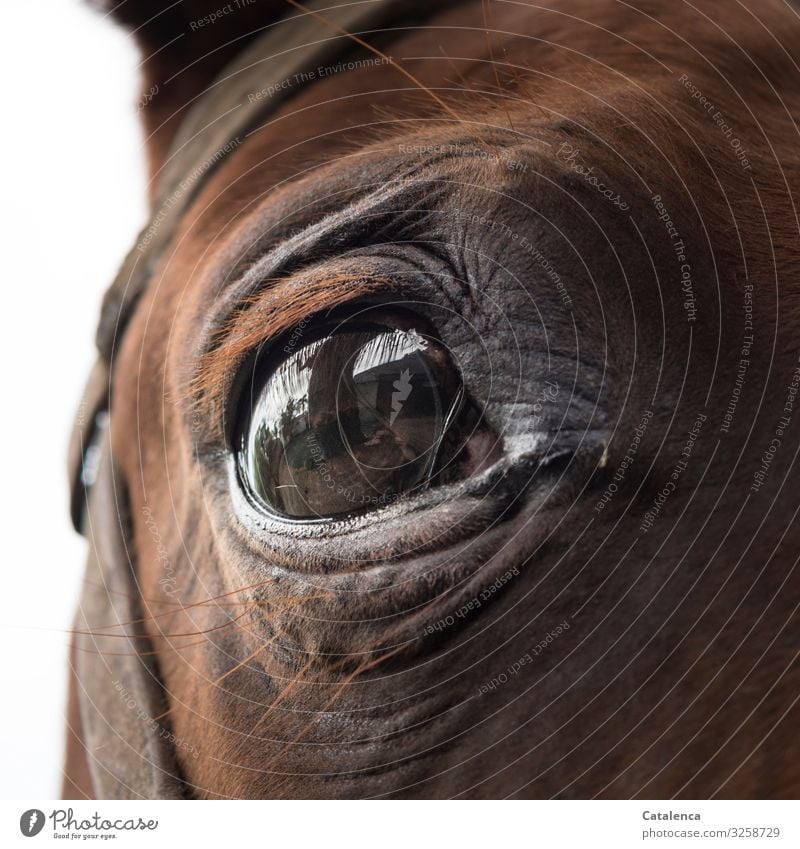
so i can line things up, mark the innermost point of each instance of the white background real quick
(72, 202)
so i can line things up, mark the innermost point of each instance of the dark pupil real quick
(350, 422)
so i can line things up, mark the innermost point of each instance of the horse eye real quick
(351, 421)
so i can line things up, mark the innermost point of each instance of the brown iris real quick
(350, 420)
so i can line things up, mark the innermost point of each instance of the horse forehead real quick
(540, 104)
(462, 166)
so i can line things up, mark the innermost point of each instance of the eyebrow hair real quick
(263, 317)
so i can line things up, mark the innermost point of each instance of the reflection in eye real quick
(351, 421)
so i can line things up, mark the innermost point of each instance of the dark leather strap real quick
(130, 752)
(84, 445)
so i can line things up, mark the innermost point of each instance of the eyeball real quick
(351, 419)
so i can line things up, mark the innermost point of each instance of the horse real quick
(443, 428)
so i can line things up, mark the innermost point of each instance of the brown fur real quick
(679, 677)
